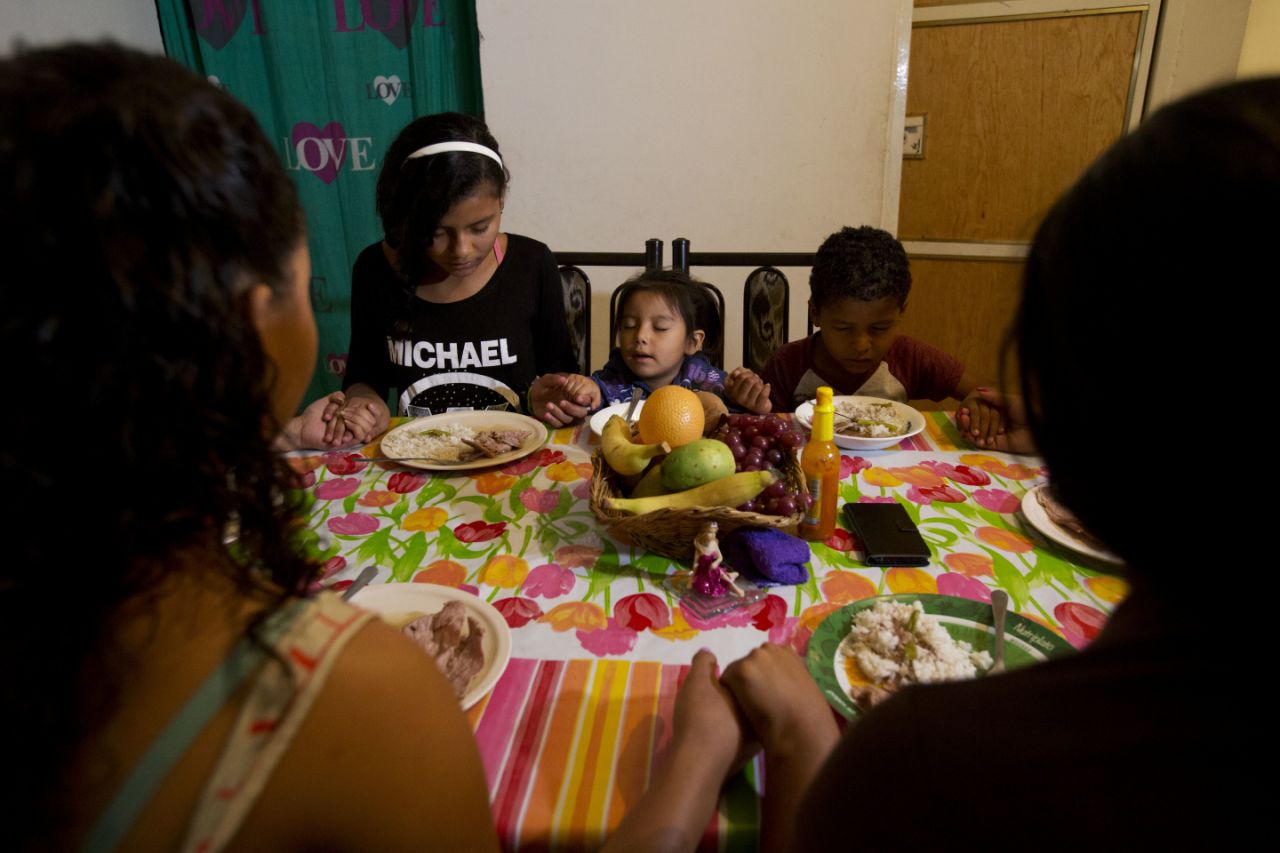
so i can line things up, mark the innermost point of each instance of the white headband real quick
(441, 147)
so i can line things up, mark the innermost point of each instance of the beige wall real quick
(130, 22)
(740, 124)
(1260, 53)
(1198, 46)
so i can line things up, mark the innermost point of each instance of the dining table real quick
(579, 720)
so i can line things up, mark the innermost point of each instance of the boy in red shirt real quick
(858, 291)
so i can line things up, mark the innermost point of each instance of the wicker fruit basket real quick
(670, 532)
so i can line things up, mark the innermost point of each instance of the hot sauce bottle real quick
(820, 464)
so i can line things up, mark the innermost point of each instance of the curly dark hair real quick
(414, 195)
(1107, 332)
(684, 293)
(860, 263)
(138, 203)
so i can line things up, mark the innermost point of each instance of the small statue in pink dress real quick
(710, 578)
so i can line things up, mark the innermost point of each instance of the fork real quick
(999, 603)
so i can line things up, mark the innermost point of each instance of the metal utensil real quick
(367, 574)
(631, 409)
(999, 604)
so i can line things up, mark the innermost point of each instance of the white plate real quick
(1036, 516)
(477, 420)
(600, 418)
(395, 598)
(804, 416)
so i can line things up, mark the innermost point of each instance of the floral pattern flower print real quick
(336, 490)
(427, 519)
(641, 612)
(970, 565)
(403, 483)
(925, 495)
(548, 581)
(354, 524)
(997, 500)
(575, 616)
(505, 570)
(963, 587)
(518, 611)
(613, 639)
(1005, 540)
(540, 500)
(345, 463)
(442, 573)
(478, 531)
(962, 474)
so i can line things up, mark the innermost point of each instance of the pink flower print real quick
(345, 463)
(546, 456)
(540, 500)
(332, 566)
(582, 491)
(961, 586)
(478, 531)
(925, 495)
(877, 499)
(997, 500)
(335, 490)
(518, 611)
(962, 474)
(851, 465)
(304, 480)
(769, 613)
(613, 639)
(1080, 622)
(520, 466)
(355, 524)
(548, 581)
(642, 611)
(403, 483)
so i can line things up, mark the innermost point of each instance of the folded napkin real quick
(766, 555)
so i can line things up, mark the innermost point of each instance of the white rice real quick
(891, 652)
(444, 443)
(869, 420)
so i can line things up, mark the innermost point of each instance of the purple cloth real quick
(767, 555)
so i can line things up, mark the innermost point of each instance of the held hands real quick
(995, 421)
(707, 721)
(748, 390)
(359, 419)
(561, 399)
(779, 699)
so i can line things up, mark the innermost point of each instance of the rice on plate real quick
(895, 644)
(869, 419)
(439, 442)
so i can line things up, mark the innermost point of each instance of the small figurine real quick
(710, 578)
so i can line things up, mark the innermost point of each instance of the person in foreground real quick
(858, 293)
(1138, 741)
(165, 690)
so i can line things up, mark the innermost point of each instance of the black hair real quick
(414, 195)
(688, 296)
(1185, 207)
(138, 204)
(860, 263)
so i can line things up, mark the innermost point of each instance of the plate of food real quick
(467, 637)
(867, 423)
(863, 653)
(1058, 524)
(600, 418)
(460, 441)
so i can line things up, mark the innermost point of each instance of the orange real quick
(671, 414)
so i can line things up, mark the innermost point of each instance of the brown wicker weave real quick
(670, 532)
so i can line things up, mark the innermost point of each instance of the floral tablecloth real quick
(570, 734)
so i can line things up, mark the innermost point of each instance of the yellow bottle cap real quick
(824, 416)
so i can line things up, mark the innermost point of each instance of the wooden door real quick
(1017, 99)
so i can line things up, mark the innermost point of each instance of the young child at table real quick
(662, 327)
(857, 294)
(446, 308)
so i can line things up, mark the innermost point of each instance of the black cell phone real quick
(888, 534)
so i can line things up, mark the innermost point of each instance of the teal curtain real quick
(332, 82)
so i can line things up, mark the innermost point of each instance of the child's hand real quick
(749, 391)
(549, 402)
(309, 429)
(358, 420)
(995, 421)
(582, 390)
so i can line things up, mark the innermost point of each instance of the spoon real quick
(367, 574)
(999, 603)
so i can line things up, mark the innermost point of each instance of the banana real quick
(727, 491)
(650, 484)
(621, 453)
